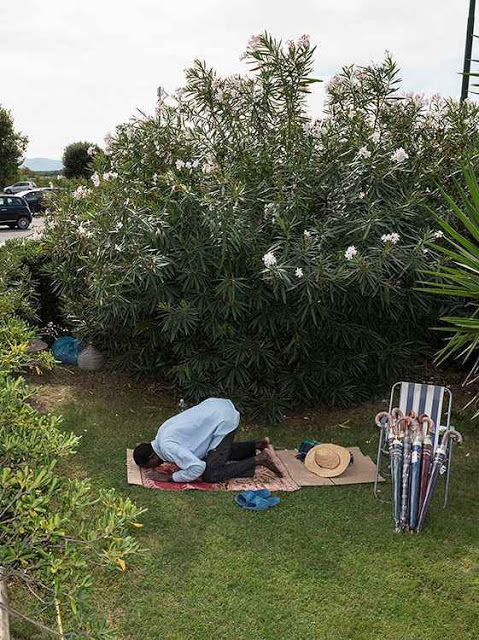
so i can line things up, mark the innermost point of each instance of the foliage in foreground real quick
(239, 248)
(458, 275)
(53, 530)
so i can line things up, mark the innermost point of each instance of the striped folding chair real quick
(422, 398)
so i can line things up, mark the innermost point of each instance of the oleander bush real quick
(236, 246)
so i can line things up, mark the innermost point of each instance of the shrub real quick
(26, 286)
(236, 246)
(53, 530)
(77, 159)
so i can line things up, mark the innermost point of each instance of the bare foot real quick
(265, 458)
(263, 443)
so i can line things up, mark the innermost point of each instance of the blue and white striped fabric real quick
(423, 398)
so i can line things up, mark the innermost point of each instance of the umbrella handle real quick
(424, 418)
(380, 417)
(396, 413)
(451, 433)
(405, 420)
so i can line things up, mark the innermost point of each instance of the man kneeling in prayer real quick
(200, 441)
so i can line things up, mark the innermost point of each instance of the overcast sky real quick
(73, 69)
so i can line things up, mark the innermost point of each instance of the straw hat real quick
(327, 460)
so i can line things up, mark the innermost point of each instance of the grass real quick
(324, 564)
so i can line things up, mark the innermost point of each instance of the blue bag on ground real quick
(66, 349)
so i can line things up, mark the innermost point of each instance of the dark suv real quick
(14, 212)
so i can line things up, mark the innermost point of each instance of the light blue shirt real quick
(186, 438)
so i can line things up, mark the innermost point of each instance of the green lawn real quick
(324, 564)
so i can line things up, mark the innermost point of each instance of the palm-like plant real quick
(458, 275)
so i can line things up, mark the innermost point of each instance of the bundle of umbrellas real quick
(415, 467)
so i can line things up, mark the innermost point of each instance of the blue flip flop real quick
(259, 500)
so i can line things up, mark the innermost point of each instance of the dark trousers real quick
(230, 460)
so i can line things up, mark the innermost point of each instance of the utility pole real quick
(468, 51)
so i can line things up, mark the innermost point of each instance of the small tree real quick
(12, 148)
(77, 159)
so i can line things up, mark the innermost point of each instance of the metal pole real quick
(468, 51)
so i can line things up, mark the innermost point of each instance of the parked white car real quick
(16, 187)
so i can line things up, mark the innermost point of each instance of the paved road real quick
(7, 234)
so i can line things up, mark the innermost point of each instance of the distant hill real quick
(42, 164)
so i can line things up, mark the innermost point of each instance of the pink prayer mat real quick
(263, 478)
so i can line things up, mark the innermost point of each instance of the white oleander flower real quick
(362, 195)
(81, 192)
(269, 259)
(350, 252)
(91, 151)
(399, 155)
(307, 234)
(376, 137)
(393, 238)
(438, 234)
(364, 152)
(299, 272)
(95, 179)
(179, 164)
(108, 175)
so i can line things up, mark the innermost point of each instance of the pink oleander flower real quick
(253, 42)
(350, 252)
(304, 41)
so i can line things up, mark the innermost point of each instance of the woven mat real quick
(263, 479)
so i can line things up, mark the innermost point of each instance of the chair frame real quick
(440, 430)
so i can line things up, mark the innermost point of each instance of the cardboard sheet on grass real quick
(295, 476)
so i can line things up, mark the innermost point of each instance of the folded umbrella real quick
(426, 457)
(439, 461)
(415, 475)
(405, 424)
(396, 456)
